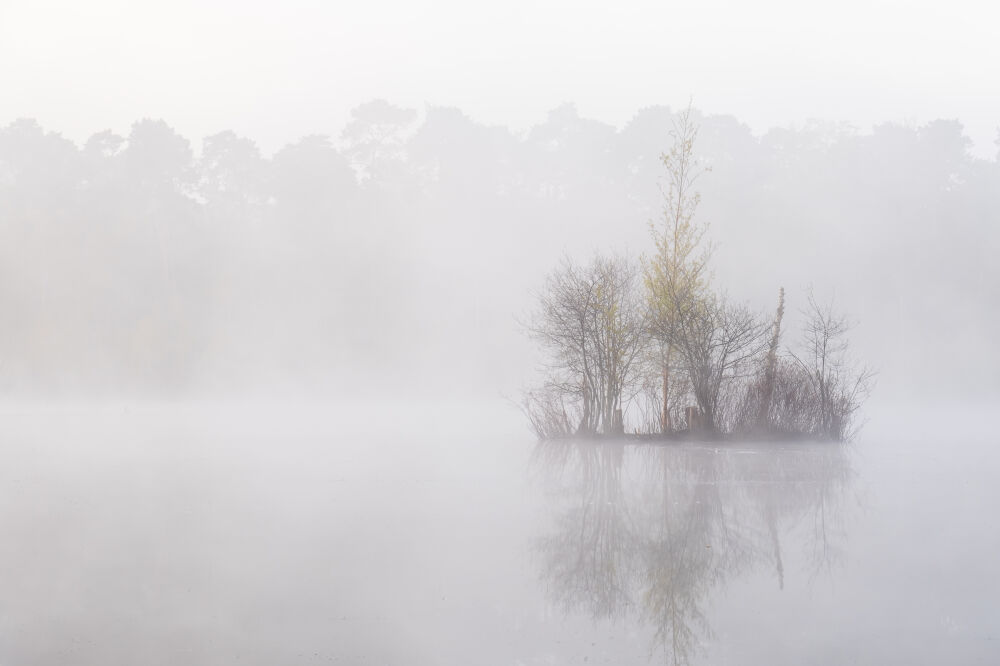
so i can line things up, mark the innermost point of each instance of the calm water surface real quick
(443, 534)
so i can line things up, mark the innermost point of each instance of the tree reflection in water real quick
(646, 533)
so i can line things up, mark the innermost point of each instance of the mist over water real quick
(259, 409)
(300, 533)
(269, 276)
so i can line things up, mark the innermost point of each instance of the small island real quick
(653, 350)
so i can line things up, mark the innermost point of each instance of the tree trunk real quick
(693, 415)
(665, 417)
(617, 424)
(767, 394)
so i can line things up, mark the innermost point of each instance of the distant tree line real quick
(392, 252)
(628, 339)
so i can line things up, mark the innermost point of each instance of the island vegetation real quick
(655, 348)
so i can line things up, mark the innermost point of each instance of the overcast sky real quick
(277, 70)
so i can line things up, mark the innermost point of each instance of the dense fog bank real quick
(396, 256)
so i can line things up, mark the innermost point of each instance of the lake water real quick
(443, 534)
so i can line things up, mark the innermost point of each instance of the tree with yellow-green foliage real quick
(676, 276)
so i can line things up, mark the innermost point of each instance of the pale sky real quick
(275, 71)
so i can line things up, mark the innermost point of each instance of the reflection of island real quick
(646, 533)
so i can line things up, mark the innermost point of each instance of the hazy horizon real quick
(295, 270)
(516, 333)
(274, 72)
(980, 150)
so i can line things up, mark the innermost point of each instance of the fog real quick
(399, 254)
(301, 533)
(267, 281)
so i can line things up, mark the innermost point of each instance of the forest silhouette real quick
(394, 254)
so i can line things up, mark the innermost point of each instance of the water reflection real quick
(647, 533)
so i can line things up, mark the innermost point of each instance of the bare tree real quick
(718, 343)
(591, 320)
(839, 386)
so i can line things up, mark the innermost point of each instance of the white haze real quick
(852, 150)
(263, 268)
(276, 71)
(397, 257)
